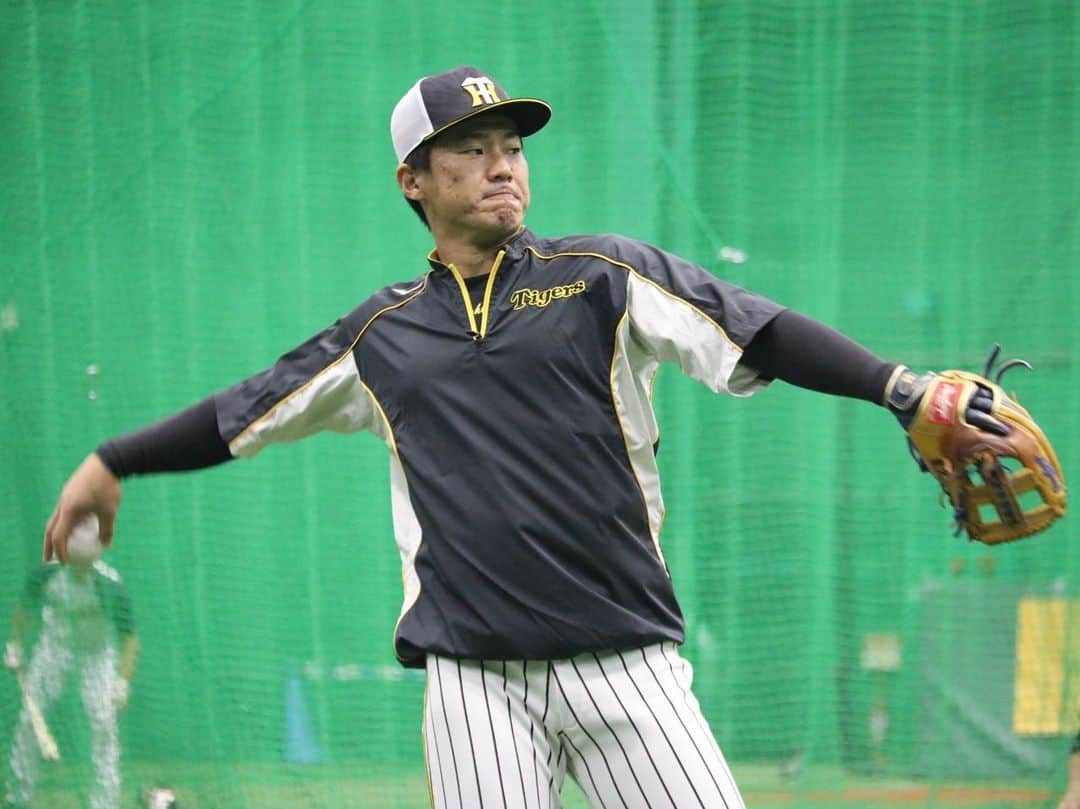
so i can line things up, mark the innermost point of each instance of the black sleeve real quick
(801, 351)
(1075, 749)
(188, 440)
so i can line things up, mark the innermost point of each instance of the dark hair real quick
(419, 160)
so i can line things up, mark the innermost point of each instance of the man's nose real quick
(500, 166)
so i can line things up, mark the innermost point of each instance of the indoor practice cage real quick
(192, 188)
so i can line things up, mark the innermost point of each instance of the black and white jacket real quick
(517, 413)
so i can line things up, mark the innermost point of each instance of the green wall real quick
(193, 188)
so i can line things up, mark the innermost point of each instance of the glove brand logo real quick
(482, 90)
(542, 297)
(942, 407)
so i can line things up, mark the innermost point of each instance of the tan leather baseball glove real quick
(994, 463)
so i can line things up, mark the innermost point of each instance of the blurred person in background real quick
(86, 631)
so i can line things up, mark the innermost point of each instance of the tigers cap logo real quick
(436, 103)
(481, 90)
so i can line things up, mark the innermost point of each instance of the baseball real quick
(84, 546)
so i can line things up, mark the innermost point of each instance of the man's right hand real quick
(92, 489)
(13, 655)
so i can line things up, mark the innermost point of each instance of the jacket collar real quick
(514, 247)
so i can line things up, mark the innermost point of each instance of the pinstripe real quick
(468, 729)
(543, 724)
(532, 738)
(630, 719)
(614, 735)
(686, 730)
(589, 736)
(449, 736)
(513, 738)
(588, 770)
(700, 720)
(438, 759)
(686, 695)
(674, 752)
(494, 741)
(558, 766)
(586, 726)
(427, 745)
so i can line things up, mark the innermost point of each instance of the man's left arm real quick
(736, 341)
(980, 445)
(125, 670)
(129, 657)
(123, 618)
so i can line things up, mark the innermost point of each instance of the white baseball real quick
(84, 545)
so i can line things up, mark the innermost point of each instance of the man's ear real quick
(409, 183)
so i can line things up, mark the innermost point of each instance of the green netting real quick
(191, 188)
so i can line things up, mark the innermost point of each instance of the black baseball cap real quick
(436, 103)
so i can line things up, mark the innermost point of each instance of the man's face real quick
(478, 185)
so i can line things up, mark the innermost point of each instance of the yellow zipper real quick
(482, 330)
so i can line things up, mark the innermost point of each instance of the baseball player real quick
(86, 629)
(511, 383)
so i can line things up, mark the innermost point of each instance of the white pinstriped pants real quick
(503, 734)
